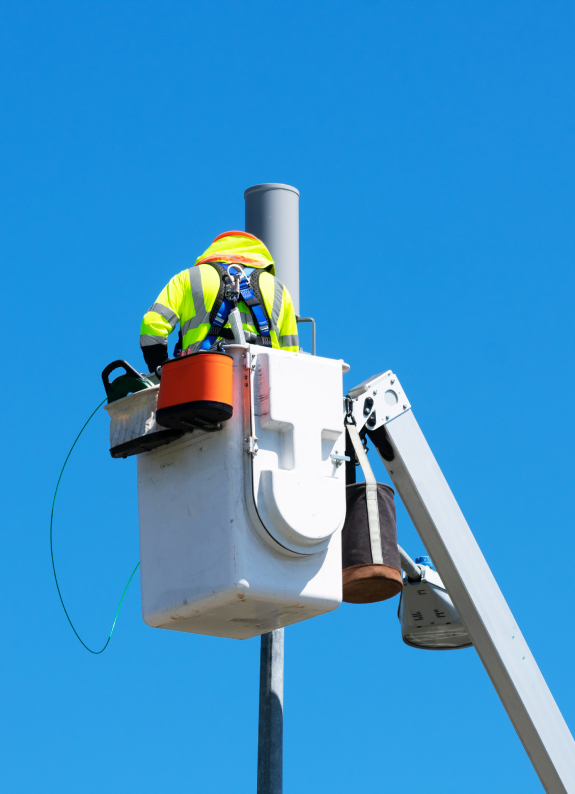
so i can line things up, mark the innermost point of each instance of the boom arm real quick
(380, 406)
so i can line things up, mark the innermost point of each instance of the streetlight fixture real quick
(426, 612)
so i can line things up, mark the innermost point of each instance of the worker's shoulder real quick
(205, 273)
(268, 282)
(268, 279)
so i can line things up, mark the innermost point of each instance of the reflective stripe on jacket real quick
(190, 296)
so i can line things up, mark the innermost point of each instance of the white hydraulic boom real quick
(380, 408)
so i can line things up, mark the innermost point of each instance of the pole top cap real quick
(271, 186)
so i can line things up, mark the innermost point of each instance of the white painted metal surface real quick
(471, 585)
(240, 529)
(299, 490)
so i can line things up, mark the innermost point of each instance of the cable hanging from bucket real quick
(96, 653)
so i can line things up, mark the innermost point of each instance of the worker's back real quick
(197, 299)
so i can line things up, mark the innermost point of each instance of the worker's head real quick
(238, 247)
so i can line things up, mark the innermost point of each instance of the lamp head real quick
(427, 615)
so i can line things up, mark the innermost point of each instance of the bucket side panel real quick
(187, 493)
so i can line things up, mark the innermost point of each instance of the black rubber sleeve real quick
(155, 355)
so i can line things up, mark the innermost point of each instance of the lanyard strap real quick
(370, 496)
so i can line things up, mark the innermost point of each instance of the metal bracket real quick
(249, 369)
(252, 445)
(312, 321)
(378, 400)
(339, 459)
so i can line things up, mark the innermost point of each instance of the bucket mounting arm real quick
(380, 406)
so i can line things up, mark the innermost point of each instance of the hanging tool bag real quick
(196, 391)
(370, 557)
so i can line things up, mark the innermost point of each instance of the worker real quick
(196, 299)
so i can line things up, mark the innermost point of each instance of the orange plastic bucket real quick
(196, 391)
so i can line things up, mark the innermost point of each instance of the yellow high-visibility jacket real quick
(190, 296)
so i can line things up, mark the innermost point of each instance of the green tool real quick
(126, 384)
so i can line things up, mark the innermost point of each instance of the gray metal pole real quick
(272, 214)
(270, 734)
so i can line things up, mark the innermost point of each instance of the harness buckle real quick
(232, 287)
(233, 282)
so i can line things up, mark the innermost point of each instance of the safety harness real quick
(227, 298)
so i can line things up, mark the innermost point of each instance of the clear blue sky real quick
(432, 143)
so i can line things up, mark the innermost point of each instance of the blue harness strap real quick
(254, 305)
(217, 329)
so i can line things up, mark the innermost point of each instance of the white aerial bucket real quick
(240, 529)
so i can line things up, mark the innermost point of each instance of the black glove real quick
(155, 355)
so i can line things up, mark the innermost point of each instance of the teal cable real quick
(52, 551)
